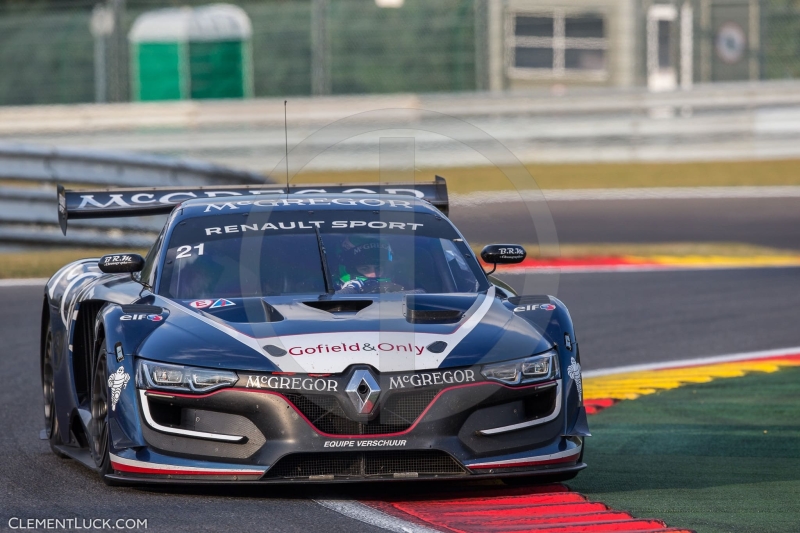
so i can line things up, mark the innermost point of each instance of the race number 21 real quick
(186, 251)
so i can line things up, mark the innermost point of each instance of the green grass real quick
(43, 264)
(722, 457)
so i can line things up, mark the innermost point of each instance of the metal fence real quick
(426, 46)
(28, 206)
(48, 55)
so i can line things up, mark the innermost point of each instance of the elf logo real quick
(152, 318)
(534, 307)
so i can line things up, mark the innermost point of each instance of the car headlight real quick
(163, 376)
(540, 367)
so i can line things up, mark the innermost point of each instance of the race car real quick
(276, 335)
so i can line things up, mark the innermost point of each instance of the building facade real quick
(616, 43)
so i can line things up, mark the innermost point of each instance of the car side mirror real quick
(117, 263)
(502, 254)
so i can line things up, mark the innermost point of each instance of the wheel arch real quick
(84, 345)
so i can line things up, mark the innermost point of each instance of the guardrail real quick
(714, 121)
(28, 214)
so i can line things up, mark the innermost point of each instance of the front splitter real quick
(168, 480)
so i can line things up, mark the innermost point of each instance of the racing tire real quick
(48, 391)
(98, 426)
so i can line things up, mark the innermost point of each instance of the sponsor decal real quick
(303, 224)
(375, 224)
(201, 304)
(116, 382)
(344, 347)
(271, 197)
(152, 318)
(574, 371)
(568, 341)
(222, 302)
(511, 251)
(119, 352)
(292, 383)
(116, 260)
(280, 202)
(362, 443)
(534, 307)
(446, 377)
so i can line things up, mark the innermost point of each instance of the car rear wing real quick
(108, 203)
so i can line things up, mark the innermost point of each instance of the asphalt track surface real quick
(771, 222)
(622, 318)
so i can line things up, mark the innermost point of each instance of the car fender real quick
(550, 315)
(125, 327)
(63, 288)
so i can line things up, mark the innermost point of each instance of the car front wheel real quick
(98, 427)
(48, 390)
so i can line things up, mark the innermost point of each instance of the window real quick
(664, 46)
(148, 274)
(279, 254)
(556, 46)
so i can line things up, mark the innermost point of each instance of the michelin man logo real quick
(118, 381)
(574, 371)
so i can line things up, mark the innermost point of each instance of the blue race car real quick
(304, 335)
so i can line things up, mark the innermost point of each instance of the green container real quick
(184, 53)
(158, 75)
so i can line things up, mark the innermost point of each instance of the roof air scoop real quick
(336, 307)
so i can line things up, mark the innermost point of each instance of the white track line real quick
(368, 515)
(744, 356)
(28, 282)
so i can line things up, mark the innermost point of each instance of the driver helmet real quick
(368, 258)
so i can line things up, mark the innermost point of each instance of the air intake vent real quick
(437, 316)
(339, 306)
(364, 464)
(397, 412)
(437, 308)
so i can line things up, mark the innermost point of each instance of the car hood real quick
(390, 332)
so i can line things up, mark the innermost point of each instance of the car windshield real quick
(280, 253)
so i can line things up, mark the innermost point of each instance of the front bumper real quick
(479, 429)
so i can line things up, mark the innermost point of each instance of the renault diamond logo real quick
(363, 391)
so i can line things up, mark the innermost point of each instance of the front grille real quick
(397, 413)
(428, 462)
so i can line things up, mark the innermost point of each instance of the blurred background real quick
(68, 52)
(652, 127)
